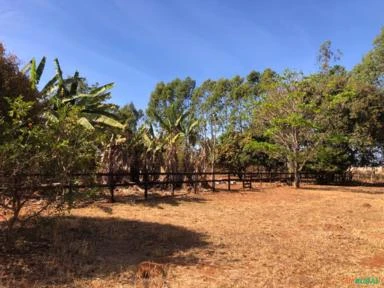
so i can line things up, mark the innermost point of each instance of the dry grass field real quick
(318, 236)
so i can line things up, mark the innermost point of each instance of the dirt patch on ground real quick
(377, 261)
(270, 236)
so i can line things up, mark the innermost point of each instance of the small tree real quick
(38, 153)
(20, 152)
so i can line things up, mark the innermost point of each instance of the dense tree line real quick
(327, 121)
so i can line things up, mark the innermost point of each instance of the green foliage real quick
(27, 146)
(56, 131)
(74, 91)
(172, 123)
(35, 73)
(130, 117)
(13, 83)
(235, 153)
(170, 99)
(288, 118)
(371, 69)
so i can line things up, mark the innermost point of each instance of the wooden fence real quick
(146, 180)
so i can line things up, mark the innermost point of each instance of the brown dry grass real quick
(318, 236)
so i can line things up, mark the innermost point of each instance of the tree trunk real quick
(296, 180)
(174, 164)
(111, 169)
(294, 169)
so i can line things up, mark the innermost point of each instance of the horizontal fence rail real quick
(146, 180)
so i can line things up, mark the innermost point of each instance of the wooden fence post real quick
(195, 182)
(111, 186)
(70, 192)
(229, 181)
(145, 184)
(173, 184)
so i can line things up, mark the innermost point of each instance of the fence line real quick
(114, 180)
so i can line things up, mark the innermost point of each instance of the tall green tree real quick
(371, 68)
(287, 118)
(366, 106)
(170, 113)
(170, 98)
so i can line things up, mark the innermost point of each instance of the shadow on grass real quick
(61, 250)
(156, 200)
(366, 184)
(373, 189)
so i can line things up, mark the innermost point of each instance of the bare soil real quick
(268, 236)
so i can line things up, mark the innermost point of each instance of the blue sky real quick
(137, 43)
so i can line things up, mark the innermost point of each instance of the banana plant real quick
(34, 71)
(154, 148)
(152, 143)
(74, 92)
(178, 131)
